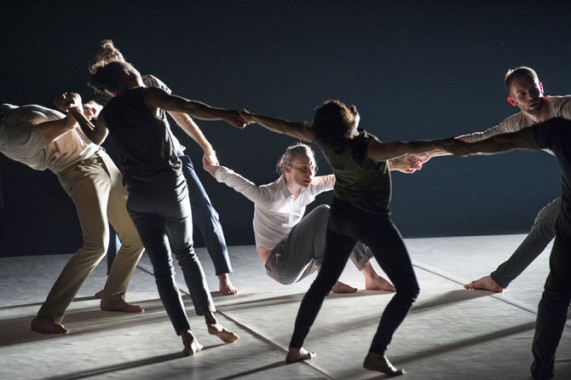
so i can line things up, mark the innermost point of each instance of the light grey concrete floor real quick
(450, 333)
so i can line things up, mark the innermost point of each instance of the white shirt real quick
(276, 210)
(23, 141)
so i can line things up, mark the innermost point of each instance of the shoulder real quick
(153, 81)
(515, 122)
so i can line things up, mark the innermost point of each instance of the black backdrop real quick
(415, 70)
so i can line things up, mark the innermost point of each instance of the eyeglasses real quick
(305, 168)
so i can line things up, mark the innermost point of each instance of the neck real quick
(292, 187)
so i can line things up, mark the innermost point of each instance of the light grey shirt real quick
(276, 210)
(23, 141)
(559, 106)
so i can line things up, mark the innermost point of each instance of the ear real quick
(287, 169)
(511, 101)
(541, 87)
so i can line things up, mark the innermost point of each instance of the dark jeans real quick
(382, 237)
(161, 212)
(205, 218)
(552, 310)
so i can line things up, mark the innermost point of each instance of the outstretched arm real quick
(294, 129)
(382, 151)
(500, 143)
(158, 98)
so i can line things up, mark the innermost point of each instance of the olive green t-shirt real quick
(361, 182)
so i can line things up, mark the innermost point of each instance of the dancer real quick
(290, 245)
(555, 135)
(158, 195)
(42, 138)
(526, 92)
(204, 215)
(360, 212)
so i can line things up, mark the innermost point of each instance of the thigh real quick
(306, 239)
(387, 245)
(339, 243)
(88, 185)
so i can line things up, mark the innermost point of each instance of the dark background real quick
(415, 70)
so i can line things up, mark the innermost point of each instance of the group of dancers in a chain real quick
(156, 196)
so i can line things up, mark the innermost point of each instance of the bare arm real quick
(193, 130)
(382, 151)
(294, 129)
(158, 98)
(97, 132)
(501, 143)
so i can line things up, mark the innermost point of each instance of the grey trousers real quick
(542, 232)
(301, 252)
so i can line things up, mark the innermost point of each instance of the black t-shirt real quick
(555, 135)
(143, 141)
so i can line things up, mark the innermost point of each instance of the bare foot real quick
(191, 345)
(98, 295)
(379, 283)
(298, 354)
(122, 306)
(218, 330)
(341, 287)
(380, 363)
(47, 326)
(226, 286)
(485, 283)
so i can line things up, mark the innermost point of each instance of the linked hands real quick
(407, 164)
(68, 100)
(210, 163)
(235, 119)
(247, 117)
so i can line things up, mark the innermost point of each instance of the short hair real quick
(331, 121)
(106, 48)
(291, 153)
(109, 76)
(521, 72)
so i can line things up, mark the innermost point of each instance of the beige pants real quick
(95, 186)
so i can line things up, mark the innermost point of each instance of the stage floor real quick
(450, 333)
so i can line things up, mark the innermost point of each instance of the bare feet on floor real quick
(485, 283)
(226, 336)
(379, 283)
(98, 295)
(122, 306)
(380, 363)
(226, 286)
(298, 354)
(191, 345)
(47, 326)
(341, 287)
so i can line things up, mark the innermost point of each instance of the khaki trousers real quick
(96, 188)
